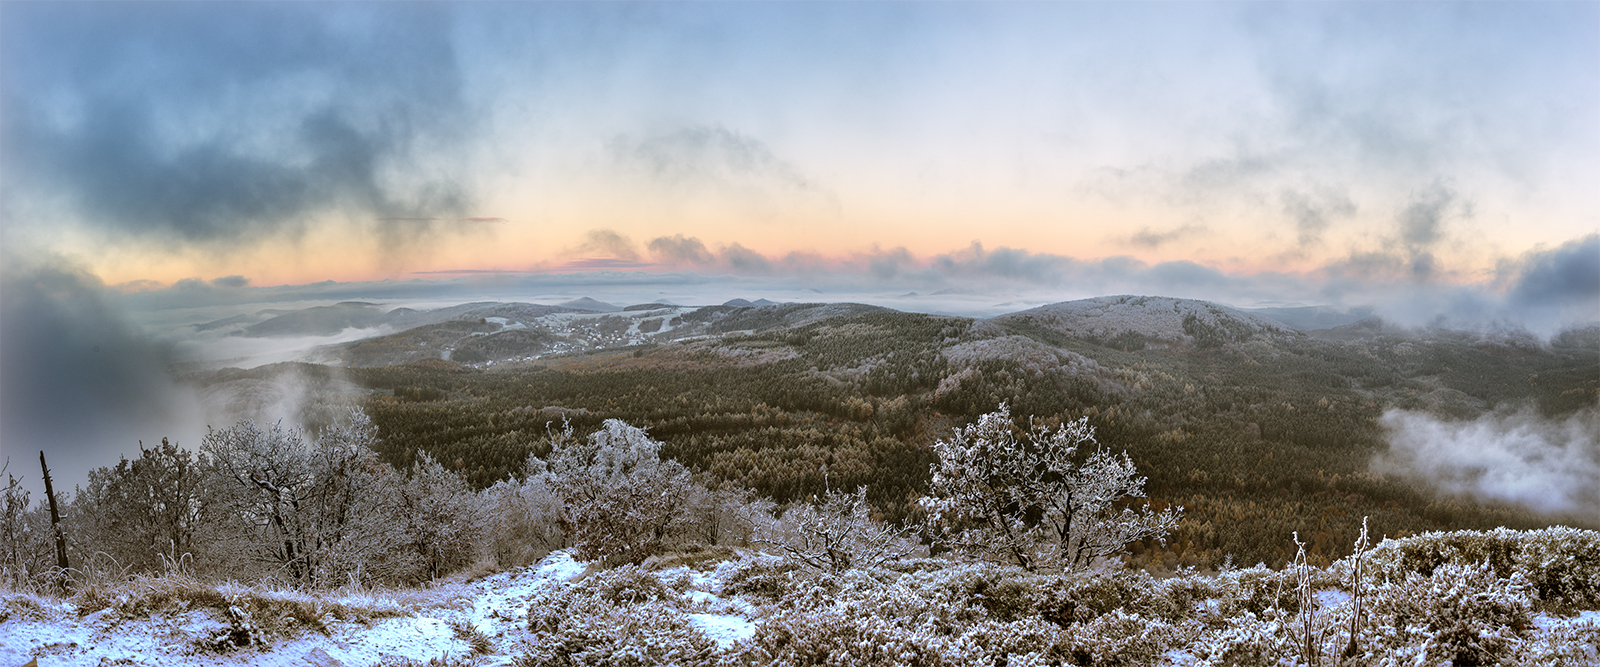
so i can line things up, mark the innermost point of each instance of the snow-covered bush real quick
(1031, 500)
(443, 517)
(623, 616)
(524, 517)
(620, 501)
(1561, 564)
(27, 545)
(144, 514)
(722, 513)
(1458, 614)
(1245, 639)
(837, 534)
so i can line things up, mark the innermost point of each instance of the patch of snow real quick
(1331, 598)
(1547, 622)
(560, 565)
(724, 629)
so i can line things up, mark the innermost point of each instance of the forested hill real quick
(1256, 428)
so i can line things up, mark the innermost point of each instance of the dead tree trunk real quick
(55, 526)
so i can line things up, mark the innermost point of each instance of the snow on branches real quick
(1033, 500)
(837, 535)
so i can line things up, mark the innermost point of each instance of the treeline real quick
(268, 504)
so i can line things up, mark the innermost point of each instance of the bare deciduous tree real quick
(836, 535)
(319, 511)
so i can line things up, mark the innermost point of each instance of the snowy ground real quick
(483, 622)
(496, 607)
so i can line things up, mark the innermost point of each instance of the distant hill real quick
(320, 320)
(587, 303)
(1311, 318)
(1139, 320)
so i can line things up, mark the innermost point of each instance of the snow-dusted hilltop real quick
(1158, 318)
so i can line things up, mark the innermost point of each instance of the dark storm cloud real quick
(77, 379)
(1569, 274)
(214, 122)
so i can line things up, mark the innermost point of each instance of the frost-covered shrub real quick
(620, 501)
(1562, 564)
(1576, 645)
(624, 616)
(443, 517)
(1259, 589)
(1033, 500)
(524, 516)
(1003, 594)
(761, 579)
(1084, 597)
(626, 585)
(1186, 592)
(838, 637)
(599, 633)
(1119, 638)
(316, 512)
(1245, 639)
(1459, 614)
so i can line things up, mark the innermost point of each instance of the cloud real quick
(211, 124)
(609, 243)
(707, 155)
(1148, 238)
(1569, 274)
(230, 282)
(1313, 213)
(78, 380)
(745, 260)
(1549, 466)
(677, 249)
(724, 169)
(1421, 222)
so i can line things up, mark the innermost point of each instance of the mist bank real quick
(1544, 291)
(1550, 466)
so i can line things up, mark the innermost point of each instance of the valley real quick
(1257, 428)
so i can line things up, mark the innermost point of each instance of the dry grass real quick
(22, 605)
(272, 610)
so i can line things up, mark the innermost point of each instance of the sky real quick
(159, 161)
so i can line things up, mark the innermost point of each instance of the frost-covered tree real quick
(319, 512)
(524, 518)
(1041, 500)
(144, 513)
(26, 549)
(620, 500)
(837, 534)
(443, 517)
(724, 513)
